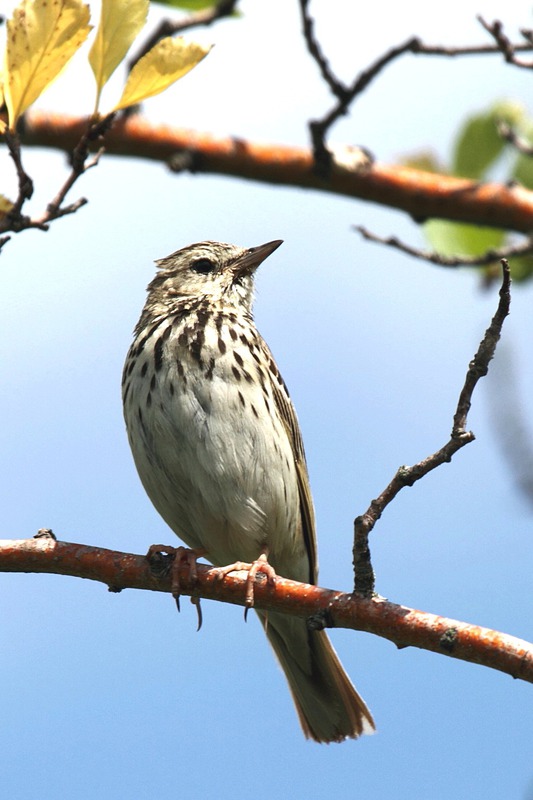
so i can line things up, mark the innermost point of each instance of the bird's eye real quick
(203, 266)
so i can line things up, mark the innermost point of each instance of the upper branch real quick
(406, 627)
(421, 194)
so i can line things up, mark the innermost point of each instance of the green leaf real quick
(523, 166)
(459, 239)
(479, 144)
(523, 170)
(509, 111)
(477, 147)
(521, 268)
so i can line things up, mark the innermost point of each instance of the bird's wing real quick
(290, 422)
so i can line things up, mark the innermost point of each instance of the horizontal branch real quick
(404, 626)
(423, 195)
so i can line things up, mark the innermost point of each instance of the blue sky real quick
(117, 695)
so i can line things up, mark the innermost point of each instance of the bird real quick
(217, 446)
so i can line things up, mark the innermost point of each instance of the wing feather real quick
(288, 416)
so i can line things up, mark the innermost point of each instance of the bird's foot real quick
(260, 565)
(181, 558)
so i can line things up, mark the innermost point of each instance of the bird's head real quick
(214, 271)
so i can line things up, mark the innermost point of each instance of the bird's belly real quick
(224, 477)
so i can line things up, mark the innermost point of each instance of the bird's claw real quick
(180, 558)
(260, 565)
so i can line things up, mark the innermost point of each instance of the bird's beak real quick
(250, 260)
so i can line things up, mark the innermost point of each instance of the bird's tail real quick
(329, 708)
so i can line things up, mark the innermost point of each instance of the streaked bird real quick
(218, 448)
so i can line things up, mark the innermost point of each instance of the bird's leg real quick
(180, 556)
(259, 565)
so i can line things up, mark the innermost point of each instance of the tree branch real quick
(406, 627)
(345, 95)
(421, 194)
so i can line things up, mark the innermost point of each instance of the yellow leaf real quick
(3, 125)
(169, 60)
(120, 22)
(5, 206)
(41, 37)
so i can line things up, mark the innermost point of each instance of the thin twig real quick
(510, 135)
(14, 220)
(313, 45)
(407, 476)
(25, 183)
(504, 44)
(479, 366)
(488, 257)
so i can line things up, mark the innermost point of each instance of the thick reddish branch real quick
(420, 194)
(403, 626)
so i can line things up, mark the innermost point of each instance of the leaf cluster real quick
(42, 37)
(478, 151)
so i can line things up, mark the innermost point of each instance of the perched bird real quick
(217, 445)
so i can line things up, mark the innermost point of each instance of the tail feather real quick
(329, 708)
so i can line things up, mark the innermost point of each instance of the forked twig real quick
(406, 476)
(15, 220)
(504, 44)
(346, 94)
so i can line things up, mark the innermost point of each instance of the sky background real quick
(115, 695)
